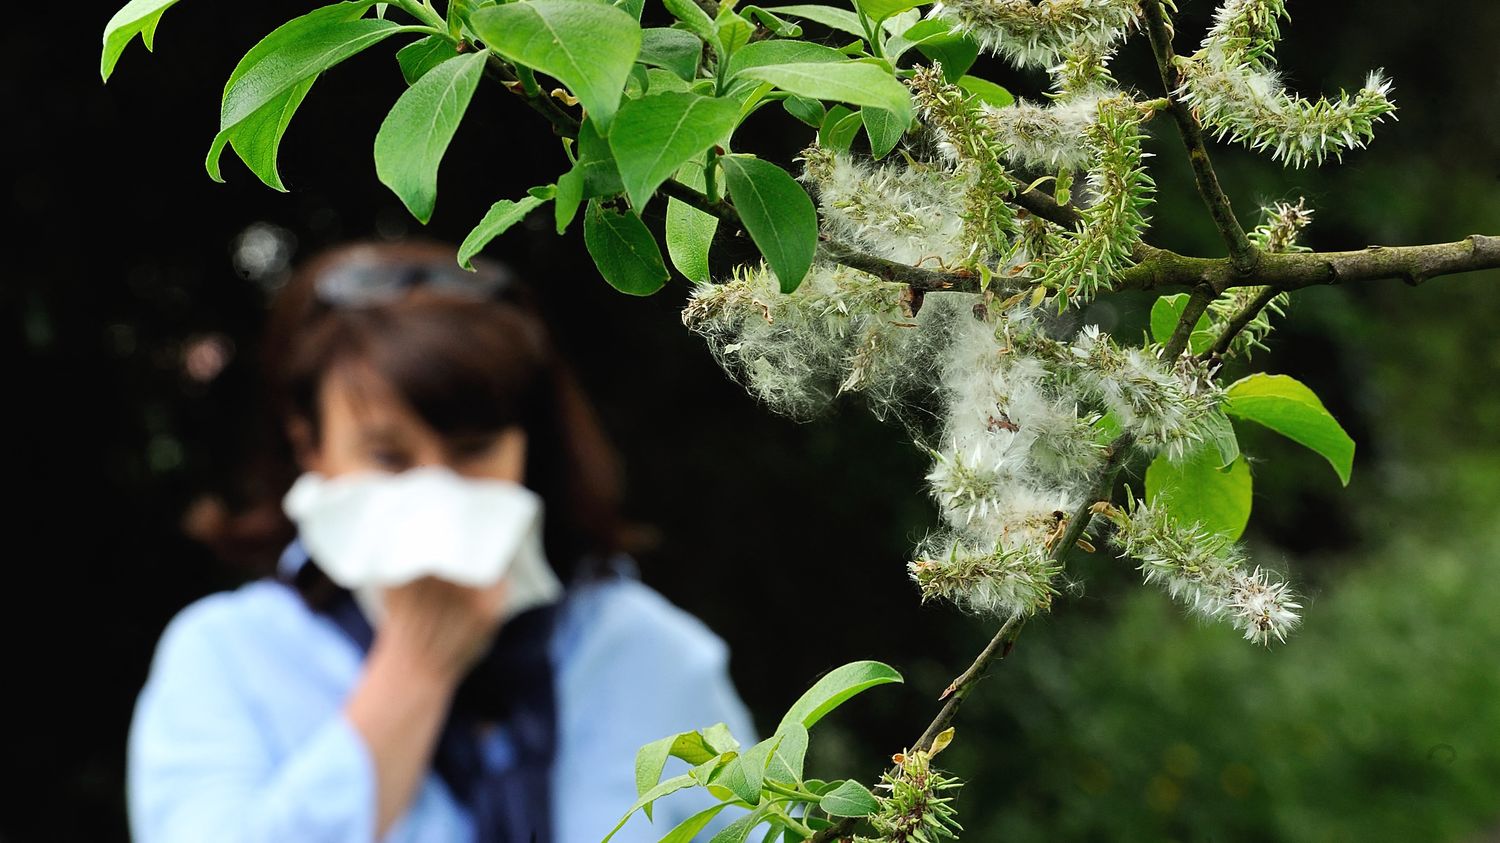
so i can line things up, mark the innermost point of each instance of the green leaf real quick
(256, 136)
(651, 759)
(667, 787)
(853, 82)
(1288, 407)
(660, 81)
(737, 831)
(780, 28)
(734, 31)
(500, 217)
(879, 10)
(835, 688)
(987, 91)
(884, 128)
(849, 799)
(297, 50)
(569, 197)
(831, 17)
(418, 129)
(690, 232)
(671, 49)
(935, 39)
(785, 765)
(596, 161)
(138, 17)
(766, 53)
(809, 111)
(655, 135)
(624, 250)
(586, 45)
(422, 55)
(778, 214)
(719, 737)
(634, 8)
(1166, 312)
(1198, 490)
(688, 828)
(839, 128)
(745, 774)
(697, 22)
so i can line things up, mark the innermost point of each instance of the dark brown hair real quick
(464, 365)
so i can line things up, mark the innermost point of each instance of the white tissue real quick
(371, 530)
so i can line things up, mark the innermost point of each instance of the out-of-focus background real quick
(135, 290)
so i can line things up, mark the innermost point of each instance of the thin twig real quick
(1183, 333)
(1241, 251)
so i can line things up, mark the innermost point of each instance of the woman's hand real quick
(432, 634)
(440, 629)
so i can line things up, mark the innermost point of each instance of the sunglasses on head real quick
(364, 283)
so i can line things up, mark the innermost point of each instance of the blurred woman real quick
(296, 709)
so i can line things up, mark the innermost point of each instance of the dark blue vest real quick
(511, 686)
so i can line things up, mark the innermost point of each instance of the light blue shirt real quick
(239, 733)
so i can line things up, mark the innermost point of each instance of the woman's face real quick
(375, 430)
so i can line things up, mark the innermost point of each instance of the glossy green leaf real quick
(849, 799)
(834, 18)
(1166, 312)
(779, 27)
(422, 55)
(596, 161)
(690, 232)
(256, 137)
(764, 53)
(569, 197)
(500, 217)
(855, 82)
(935, 39)
(138, 17)
(778, 214)
(686, 830)
(839, 128)
(634, 8)
(879, 10)
(809, 111)
(785, 764)
(671, 49)
(586, 45)
(835, 688)
(697, 22)
(419, 127)
(987, 91)
(655, 135)
(1198, 490)
(734, 31)
(624, 250)
(1288, 407)
(298, 50)
(884, 128)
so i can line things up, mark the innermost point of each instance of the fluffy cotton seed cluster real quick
(1170, 409)
(1206, 572)
(1232, 84)
(906, 213)
(977, 154)
(1115, 218)
(1017, 461)
(1032, 34)
(1046, 136)
(840, 331)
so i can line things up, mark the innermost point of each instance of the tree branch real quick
(1183, 333)
(1241, 251)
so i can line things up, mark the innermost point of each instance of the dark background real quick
(1115, 719)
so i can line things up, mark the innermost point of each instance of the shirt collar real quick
(293, 557)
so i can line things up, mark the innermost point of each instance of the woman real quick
(283, 711)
